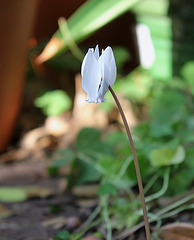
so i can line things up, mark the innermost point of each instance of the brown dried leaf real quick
(56, 222)
(87, 191)
(87, 203)
(14, 155)
(41, 192)
(50, 50)
(177, 231)
(59, 222)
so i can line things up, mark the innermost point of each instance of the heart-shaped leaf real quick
(165, 156)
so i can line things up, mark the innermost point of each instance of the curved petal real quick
(96, 52)
(110, 69)
(103, 87)
(108, 72)
(91, 76)
(83, 65)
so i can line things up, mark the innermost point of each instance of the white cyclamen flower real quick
(98, 73)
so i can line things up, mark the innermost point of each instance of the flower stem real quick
(139, 181)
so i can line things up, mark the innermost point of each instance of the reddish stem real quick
(139, 181)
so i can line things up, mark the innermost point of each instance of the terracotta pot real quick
(16, 18)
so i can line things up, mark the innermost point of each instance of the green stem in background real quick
(124, 167)
(150, 183)
(163, 189)
(91, 218)
(104, 201)
(174, 205)
(166, 212)
(69, 40)
(139, 181)
(77, 236)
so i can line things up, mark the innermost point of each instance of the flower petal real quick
(110, 69)
(96, 52)
(91, 76)
(108, 72)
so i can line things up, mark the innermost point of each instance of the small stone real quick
(91, 237)
(73, 222)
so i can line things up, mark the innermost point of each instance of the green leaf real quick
(125, 213)
(88, 138)
(114, 138)
(83, 171)
(110, 166)
(189, 157)
(91, 16)
(12, 194)
(66, 157)
(107, 189)
(87, 173)
(53, 171)
(168, 108)
(64, 235)
(181, 181)
(165, 156)
(144, 169)
(64, 62)
(152, 7)
(141, 129)
(121, 56)
(187, 72)
(53, 103)
(158, 130)
(19, 194)
(136, 85)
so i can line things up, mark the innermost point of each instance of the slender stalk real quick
(139, 181)
(161, 214)
(106, 217)
(91, 218)
(163, 189)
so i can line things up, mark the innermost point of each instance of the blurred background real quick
(48, 131)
